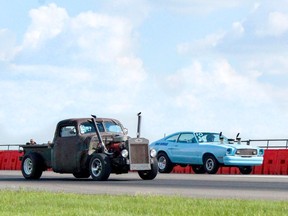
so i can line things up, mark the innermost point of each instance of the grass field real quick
(23, 202)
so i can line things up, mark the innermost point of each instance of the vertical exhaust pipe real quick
(139, 125)
(98, 134)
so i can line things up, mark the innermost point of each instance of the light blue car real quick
(205, 152)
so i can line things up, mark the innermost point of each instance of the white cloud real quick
(70, 66)
(207, 43)
(274, 24)
(47, 23)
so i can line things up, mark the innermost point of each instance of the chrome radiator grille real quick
(139, 154)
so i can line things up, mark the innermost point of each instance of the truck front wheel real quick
(150, 174)
(32, 166)
(100, 167)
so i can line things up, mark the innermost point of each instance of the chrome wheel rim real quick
(96, 167)
(209, 164)
(162, 162)
(28, 166)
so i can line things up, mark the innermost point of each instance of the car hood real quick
(234, 145)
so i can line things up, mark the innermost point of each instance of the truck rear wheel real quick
(100, 167)
(32, 166)
(150, 174)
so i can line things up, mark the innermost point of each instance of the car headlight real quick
(124, 153)
(229, 151)
(153, 153)
(261, 152)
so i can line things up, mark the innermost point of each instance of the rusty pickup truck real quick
(92, 147)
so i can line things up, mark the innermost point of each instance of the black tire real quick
(32, 166)
(246, 170)
(82, 174)
(198, 169)
(211, 165)
(164, 163)
(150, 174)
(100, 167)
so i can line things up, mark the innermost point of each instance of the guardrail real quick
(10, 146)
(269, 143)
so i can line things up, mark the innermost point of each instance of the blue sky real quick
(186, 65)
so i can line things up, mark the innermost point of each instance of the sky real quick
(187, 65)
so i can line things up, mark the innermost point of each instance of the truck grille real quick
(139, 154)
(246, 152)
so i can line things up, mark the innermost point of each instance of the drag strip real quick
(198, 186)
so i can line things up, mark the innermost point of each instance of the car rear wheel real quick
(164, 163)
(100, 167)
(198, 169)
(32, 166)
(246, 170)
(211, 165)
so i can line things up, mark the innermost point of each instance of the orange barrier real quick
(9, 160)
(275, 163)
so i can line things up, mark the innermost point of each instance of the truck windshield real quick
(112, 127)
(106, 126)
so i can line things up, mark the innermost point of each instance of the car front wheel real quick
(246, 170)
(164, 163)
(211, 165)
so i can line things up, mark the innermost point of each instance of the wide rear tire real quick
(164, 163)
(100, 167)
(32, 166)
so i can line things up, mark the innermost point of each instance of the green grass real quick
(23, 202)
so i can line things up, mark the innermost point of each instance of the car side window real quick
(68, 131)
(172, 138)
(187, 138)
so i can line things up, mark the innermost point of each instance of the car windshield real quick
(208, 137)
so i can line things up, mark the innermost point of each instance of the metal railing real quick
(268, 143)
(10, 147)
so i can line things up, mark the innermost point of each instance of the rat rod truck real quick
(92, 147)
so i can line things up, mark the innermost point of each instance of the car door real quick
(185, 150)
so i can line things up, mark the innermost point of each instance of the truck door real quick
(66, 146)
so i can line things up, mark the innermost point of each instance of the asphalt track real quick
(267, 187)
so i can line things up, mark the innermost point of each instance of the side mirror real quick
(125, 131)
